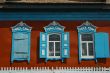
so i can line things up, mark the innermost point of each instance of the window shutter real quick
(20, 35)
(65, 45)
(21, 46)
(102, 45)
(43, 44)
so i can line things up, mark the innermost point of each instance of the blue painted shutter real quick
(43, 44)
(65, 45)
(102, 45)
(21, 45)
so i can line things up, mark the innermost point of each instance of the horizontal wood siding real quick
(6, 44)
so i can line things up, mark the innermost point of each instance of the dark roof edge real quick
(56, 6)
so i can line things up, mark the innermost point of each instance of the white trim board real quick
(55, 70)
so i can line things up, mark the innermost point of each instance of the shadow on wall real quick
(38, 60)
(102, 60)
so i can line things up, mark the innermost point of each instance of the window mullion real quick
(81, 49)
(87, 49)
(54, 48)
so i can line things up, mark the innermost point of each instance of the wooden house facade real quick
(70, 20)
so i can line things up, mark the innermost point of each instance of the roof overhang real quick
(56, 6)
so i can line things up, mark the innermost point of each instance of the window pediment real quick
(86, 27)
(21, 27)
(54, 27)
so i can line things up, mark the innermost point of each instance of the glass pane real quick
(51, 46)
(57, 54)
(57, 46)
(87, 37)
(51, 54)
(90, 49)
(84, 49)
(54, 37)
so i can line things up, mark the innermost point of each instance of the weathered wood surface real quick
(47, 1)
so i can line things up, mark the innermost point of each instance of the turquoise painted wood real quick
(102, 45)
(11, 15)
(85, 28)
(20, 42)
(65, 45)
(107, 50)
(21, 45)
(43, 45)
(54, 28)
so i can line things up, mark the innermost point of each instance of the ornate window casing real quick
(91, 43)
(21, 42)
(54, 42)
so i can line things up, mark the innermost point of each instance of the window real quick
(20, 42)
(92, 45)
(87, 45)
(54, 42)
(54, 45)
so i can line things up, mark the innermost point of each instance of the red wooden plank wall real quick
(5, 45)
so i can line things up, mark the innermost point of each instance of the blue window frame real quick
(20, 42)
(92, 45)
(54, 42)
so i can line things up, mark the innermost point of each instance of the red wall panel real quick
(37, 27)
